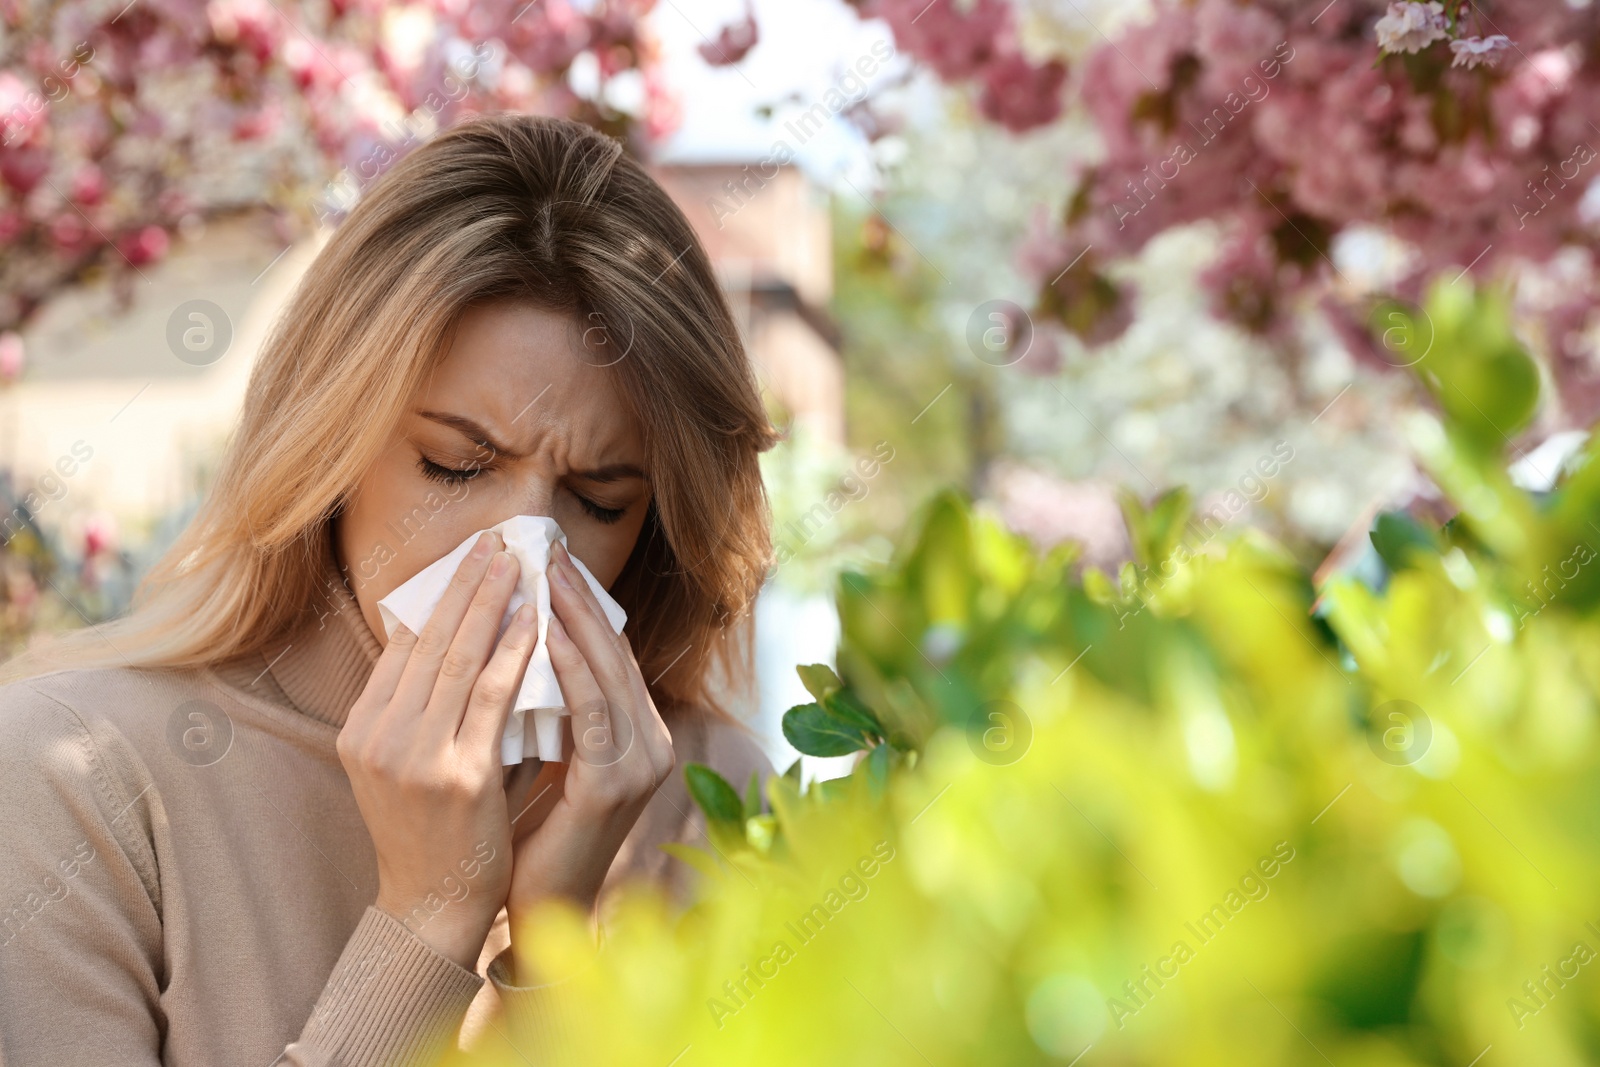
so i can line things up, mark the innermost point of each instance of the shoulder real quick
(39, 715)
(99, 706)
(86, 721)
(726, 745)
(67, 769)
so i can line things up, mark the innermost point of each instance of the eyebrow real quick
(475, 432)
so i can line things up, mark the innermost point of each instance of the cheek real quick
(604, 549)
(397, 522)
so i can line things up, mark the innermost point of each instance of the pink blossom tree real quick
(1463, 130)
(123, 122)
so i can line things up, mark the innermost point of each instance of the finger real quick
(559, 552)
(654, 736)
(422, 666)
(384, 678)
(471, 648)
(647, 726)
(483, 725)
(644, 728)
(595, 729)
(590, 631)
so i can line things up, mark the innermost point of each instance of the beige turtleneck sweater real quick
(185, 878)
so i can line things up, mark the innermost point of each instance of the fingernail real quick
(502, 561)
(561, 575)
(557, 632)
(524, 616)
(484, 545)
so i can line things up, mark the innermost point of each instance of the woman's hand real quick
(622, 754)
(422, 748)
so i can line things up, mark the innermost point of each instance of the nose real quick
(536, 495)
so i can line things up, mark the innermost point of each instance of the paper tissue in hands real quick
(528, 538)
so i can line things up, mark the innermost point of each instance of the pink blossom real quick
(99, 534)
(735, 40)
(955, 43)
(11, 356)
(24, 168)
(1019, 95)
(146, 246)
(250, 24)
(550, 36)
(22, 110)
(88, 184)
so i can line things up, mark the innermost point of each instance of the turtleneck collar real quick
(332, 654)
(326, 660)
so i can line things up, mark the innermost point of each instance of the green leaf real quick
(713, 793)
(877, 769)
(793, 773)
(819, 680)
(699, 859)
(832, 788)
(1463, 347)
(848, 706)
(752, 796)
(1398, 538)
(1155, 531)
(819, 731)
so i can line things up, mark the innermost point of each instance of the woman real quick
(243, 828)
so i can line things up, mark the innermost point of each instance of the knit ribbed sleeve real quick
(540, 1018)
(392, 1001)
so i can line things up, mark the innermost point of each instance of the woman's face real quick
(517, 420)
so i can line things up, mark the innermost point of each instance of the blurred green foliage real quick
(1251, 823)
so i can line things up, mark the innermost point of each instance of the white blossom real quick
(1474, 51)
(1411, 27)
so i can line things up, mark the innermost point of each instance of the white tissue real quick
(528, 538)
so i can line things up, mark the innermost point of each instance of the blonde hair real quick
(504, 206)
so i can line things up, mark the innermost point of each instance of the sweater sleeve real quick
(392, 1001)
(82, 963)
(539, 1018)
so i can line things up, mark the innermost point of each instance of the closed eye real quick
(448, 475)
(605, 515)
